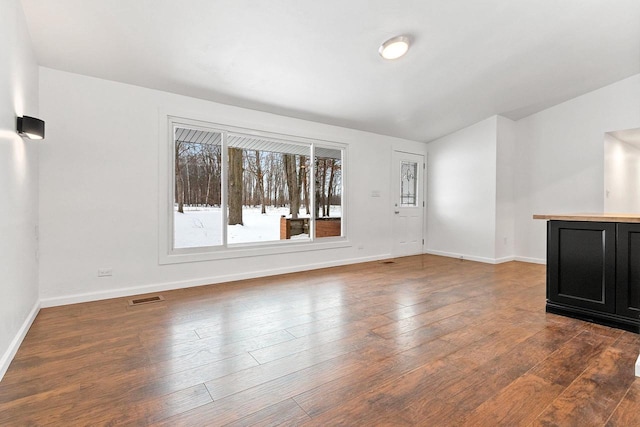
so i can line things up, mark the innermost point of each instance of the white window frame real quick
(167, 254)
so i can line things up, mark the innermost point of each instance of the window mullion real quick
(172, 184)
(312, 194)
(225, 187)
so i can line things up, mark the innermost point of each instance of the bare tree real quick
(302, 180)
(292, 184)
(210, 157)
(323, 185)
(318, 178)
(260, 182)
(235, 186)
(181, 150)
(330, 186)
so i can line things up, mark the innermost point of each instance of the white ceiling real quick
(318, 60)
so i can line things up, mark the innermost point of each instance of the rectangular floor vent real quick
(388, 262)
(148, 300)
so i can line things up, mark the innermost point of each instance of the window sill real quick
(271, 248)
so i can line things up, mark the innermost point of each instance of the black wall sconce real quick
(30, 127)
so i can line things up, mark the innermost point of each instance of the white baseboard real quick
(638, 367)
(531, 260)
(158, 287)
(8, 355)
(467, 257)
(485, 259)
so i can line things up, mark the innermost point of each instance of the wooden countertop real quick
(594, 217)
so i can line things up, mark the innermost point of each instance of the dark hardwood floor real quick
(425, 341)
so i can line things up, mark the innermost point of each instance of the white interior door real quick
(408, 203)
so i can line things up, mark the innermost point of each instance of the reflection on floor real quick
(425, 340)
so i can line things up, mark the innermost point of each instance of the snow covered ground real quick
(202, 226)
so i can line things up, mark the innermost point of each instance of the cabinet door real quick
(628, 271)
(581, 263)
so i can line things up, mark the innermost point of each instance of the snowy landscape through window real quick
(231, 188)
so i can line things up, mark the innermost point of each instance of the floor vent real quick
(148, 300)
(388, 262)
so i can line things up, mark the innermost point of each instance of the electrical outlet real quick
(105, 272)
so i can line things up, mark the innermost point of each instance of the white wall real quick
(461, 192)
(99, 190)
(471, 193)
(621, 176)
(18, 183)
(560, 159)
(505, 202)
(550, 162)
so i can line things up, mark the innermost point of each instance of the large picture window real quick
(236, 189)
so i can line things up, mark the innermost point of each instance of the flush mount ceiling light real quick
(394, 48)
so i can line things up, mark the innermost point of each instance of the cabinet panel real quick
(581, 264)
(628, 271)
